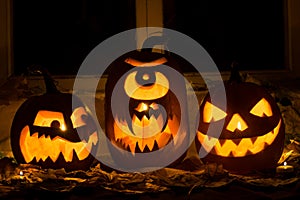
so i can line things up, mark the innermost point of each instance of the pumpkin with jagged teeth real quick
(49, 132)
(253, 130)
(151, 118)
(148, 129)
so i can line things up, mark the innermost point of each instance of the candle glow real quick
(239, 126)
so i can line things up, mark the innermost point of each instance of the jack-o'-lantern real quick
(148, 114)
(253, 130)
(46, 131)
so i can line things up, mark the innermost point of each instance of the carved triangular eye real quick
(212, 113)
(262, 109)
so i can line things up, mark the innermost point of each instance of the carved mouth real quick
(148, 135)
(40, 147)
(238, 147)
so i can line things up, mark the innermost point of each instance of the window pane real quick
(250, 32)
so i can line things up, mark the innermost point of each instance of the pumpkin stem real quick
(235, 74)
(150, 42)
(49, 81)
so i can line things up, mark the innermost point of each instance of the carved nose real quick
(236, 122)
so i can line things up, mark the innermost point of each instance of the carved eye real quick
(262, 109)
(146, 86)
(79, 117)
(212, 113)
(52, 119)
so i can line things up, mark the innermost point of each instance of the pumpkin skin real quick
(154, 112)
(46, 131)
(253, 133)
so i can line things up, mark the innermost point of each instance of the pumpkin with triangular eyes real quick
(54, 130)
(253, 133)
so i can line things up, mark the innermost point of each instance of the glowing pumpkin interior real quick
(40, 146)
(150, 126)
(239, 147)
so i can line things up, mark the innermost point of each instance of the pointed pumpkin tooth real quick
(67, 151)
(132, 148)
(270, 138)
(226, 149)
(150, 143)
(257, 148)
(242, 147)
(35, 135)
(167, 130)
(54, 156)
(93, 138)
(210, 141)
(141, 144)
(83, 153)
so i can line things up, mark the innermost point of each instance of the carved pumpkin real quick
(253, 133)
(46, 131)
(148, 115)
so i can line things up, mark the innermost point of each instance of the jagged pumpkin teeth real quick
(146, 114)
(238, 147)
(250, 133)
(145, 128)
(43, 147)
(141, 145)
(54, 130)
(132, 148)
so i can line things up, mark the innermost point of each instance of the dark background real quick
(59, 34)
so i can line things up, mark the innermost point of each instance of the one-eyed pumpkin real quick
(48, 131)
(253, 130)
(145, 115)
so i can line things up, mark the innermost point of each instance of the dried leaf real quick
(79, 180)
(285, 156)
(274, 182)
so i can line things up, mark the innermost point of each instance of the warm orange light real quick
(238, 147)
(63, 127)
(262, 108)
(141, 107)
(33, 146)
(77, 115)
(239, 126)
(146, 77)
(146, 133)
(153, 63)
(212, 113)
(154, 91)
(45, 118)
(236, 122)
